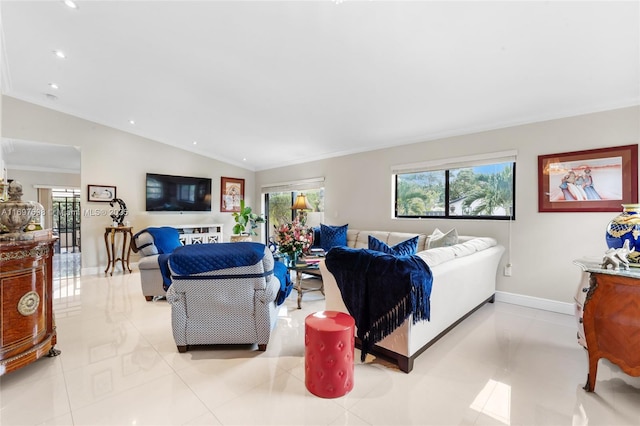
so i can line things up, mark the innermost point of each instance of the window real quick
(279, 207)
(478, 190)
(279, 198)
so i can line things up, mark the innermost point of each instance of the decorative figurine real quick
(119, 216)
(617, 258)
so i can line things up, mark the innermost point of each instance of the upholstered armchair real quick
(153, 244)
(223, 294)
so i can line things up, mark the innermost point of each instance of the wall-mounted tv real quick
(178, 193)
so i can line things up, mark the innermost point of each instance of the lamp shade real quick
(301, 203)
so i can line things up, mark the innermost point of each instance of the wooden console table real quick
(608, 314)
(27, 329)
(127, 236)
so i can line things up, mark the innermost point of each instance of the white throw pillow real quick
(440, 239)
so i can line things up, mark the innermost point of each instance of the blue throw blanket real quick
(380, 290)
(286, 285)
(166, 239)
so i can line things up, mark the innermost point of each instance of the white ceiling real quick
(278, 83)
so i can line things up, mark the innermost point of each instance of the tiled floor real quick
(119, 366)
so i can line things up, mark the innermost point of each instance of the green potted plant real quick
(246, 223)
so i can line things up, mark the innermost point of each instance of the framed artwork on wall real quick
(101, 193)
(231, 192)
(596, 180)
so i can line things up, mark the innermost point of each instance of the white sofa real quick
(464, 279)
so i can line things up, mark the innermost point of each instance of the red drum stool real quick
(328, 353)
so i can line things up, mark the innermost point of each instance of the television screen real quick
(178, 193)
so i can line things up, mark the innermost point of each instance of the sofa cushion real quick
(398, 237)
(440, 239)
(333, 236)
(406, 247)
(149, 262)
(436, 256)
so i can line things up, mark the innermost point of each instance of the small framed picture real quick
(231, 192)
(101, 193)
(596, 180)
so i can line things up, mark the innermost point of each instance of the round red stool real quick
(328, 353)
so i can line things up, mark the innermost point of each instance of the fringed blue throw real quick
(380, 290)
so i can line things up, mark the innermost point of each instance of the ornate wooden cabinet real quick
(608, 313)
(27, 328)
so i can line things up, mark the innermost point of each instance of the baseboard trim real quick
(535, 302)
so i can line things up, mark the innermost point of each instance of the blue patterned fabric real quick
(406, 247)
(286, 285)
(333, 236)
(200, 258)
(166, 239)
(380, 290)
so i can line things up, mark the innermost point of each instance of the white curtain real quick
(46, 199)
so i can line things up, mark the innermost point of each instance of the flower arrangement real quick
(293, 237)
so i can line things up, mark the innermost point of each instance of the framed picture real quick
(597, 180)
(102, 193)
(231, 192)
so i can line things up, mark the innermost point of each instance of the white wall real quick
(113, 157)
(358, 192)
(357, 187)
(29, 179)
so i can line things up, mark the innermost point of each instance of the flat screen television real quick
(178, 193)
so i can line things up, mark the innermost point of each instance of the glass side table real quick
(309, 269)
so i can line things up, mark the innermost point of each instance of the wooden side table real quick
(610, 317)
(27, 329)
(109, 242)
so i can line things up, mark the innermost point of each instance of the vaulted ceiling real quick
(268, 83)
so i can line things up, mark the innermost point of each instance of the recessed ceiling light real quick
(244, 159)
(54, 86)
(132, 122)
(51, 96)
(72, 4)
(195, 142)
(60, 54)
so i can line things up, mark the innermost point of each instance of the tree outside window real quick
(485, 191)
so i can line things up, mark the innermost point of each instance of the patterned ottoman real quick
(328, 354)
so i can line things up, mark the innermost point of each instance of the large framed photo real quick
(231, 192)
(597, 180)
(101, 193)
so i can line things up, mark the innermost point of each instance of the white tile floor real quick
(505, 365)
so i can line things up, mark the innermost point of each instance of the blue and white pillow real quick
(404, 248)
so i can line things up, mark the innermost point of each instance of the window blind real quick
(298, 185)
(456, 162)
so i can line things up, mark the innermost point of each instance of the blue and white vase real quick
(626, 226)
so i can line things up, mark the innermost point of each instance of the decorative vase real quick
(16, 214)
(626, 226)
(292, 259)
